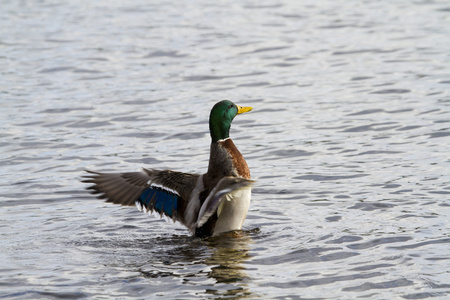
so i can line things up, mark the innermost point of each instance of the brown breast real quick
(238, 160)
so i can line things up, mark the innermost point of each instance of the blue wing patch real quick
(155, 198)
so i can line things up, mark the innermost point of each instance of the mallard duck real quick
(208, 204)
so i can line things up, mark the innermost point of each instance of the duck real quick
(207, 204)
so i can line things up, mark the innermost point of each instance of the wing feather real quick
(163, 191)
(224, 186)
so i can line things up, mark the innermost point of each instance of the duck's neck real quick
(219, 127)
(226, 160)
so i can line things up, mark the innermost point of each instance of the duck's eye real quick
(230, 106)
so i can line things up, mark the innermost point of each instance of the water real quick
(348, 142)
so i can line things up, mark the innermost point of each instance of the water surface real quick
(348, 142)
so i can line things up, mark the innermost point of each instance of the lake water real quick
(349, 143)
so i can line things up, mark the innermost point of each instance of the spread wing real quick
(224, 186)
(163, 191)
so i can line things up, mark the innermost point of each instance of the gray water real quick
(348, 141)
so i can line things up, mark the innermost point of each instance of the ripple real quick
(425, 295)
(360, 51)
(56, 295)
(372, 127)
(307, 255)
(171, 54)
(345, 239)
(377, 242)
(421, 244)
(323, 281)
(329, 177)
(392, 91)
(216, 77)
(56, 69)
(266, 49)
(290, 153)
(370, 206)
(438, 134)
(367, 286)
(64, 110)
(85, 124)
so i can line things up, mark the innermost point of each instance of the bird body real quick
(207, 204)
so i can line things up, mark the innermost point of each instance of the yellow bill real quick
(244, 109)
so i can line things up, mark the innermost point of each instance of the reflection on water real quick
(220, 258)
(229, 253)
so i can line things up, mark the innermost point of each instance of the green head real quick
(222, 114)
